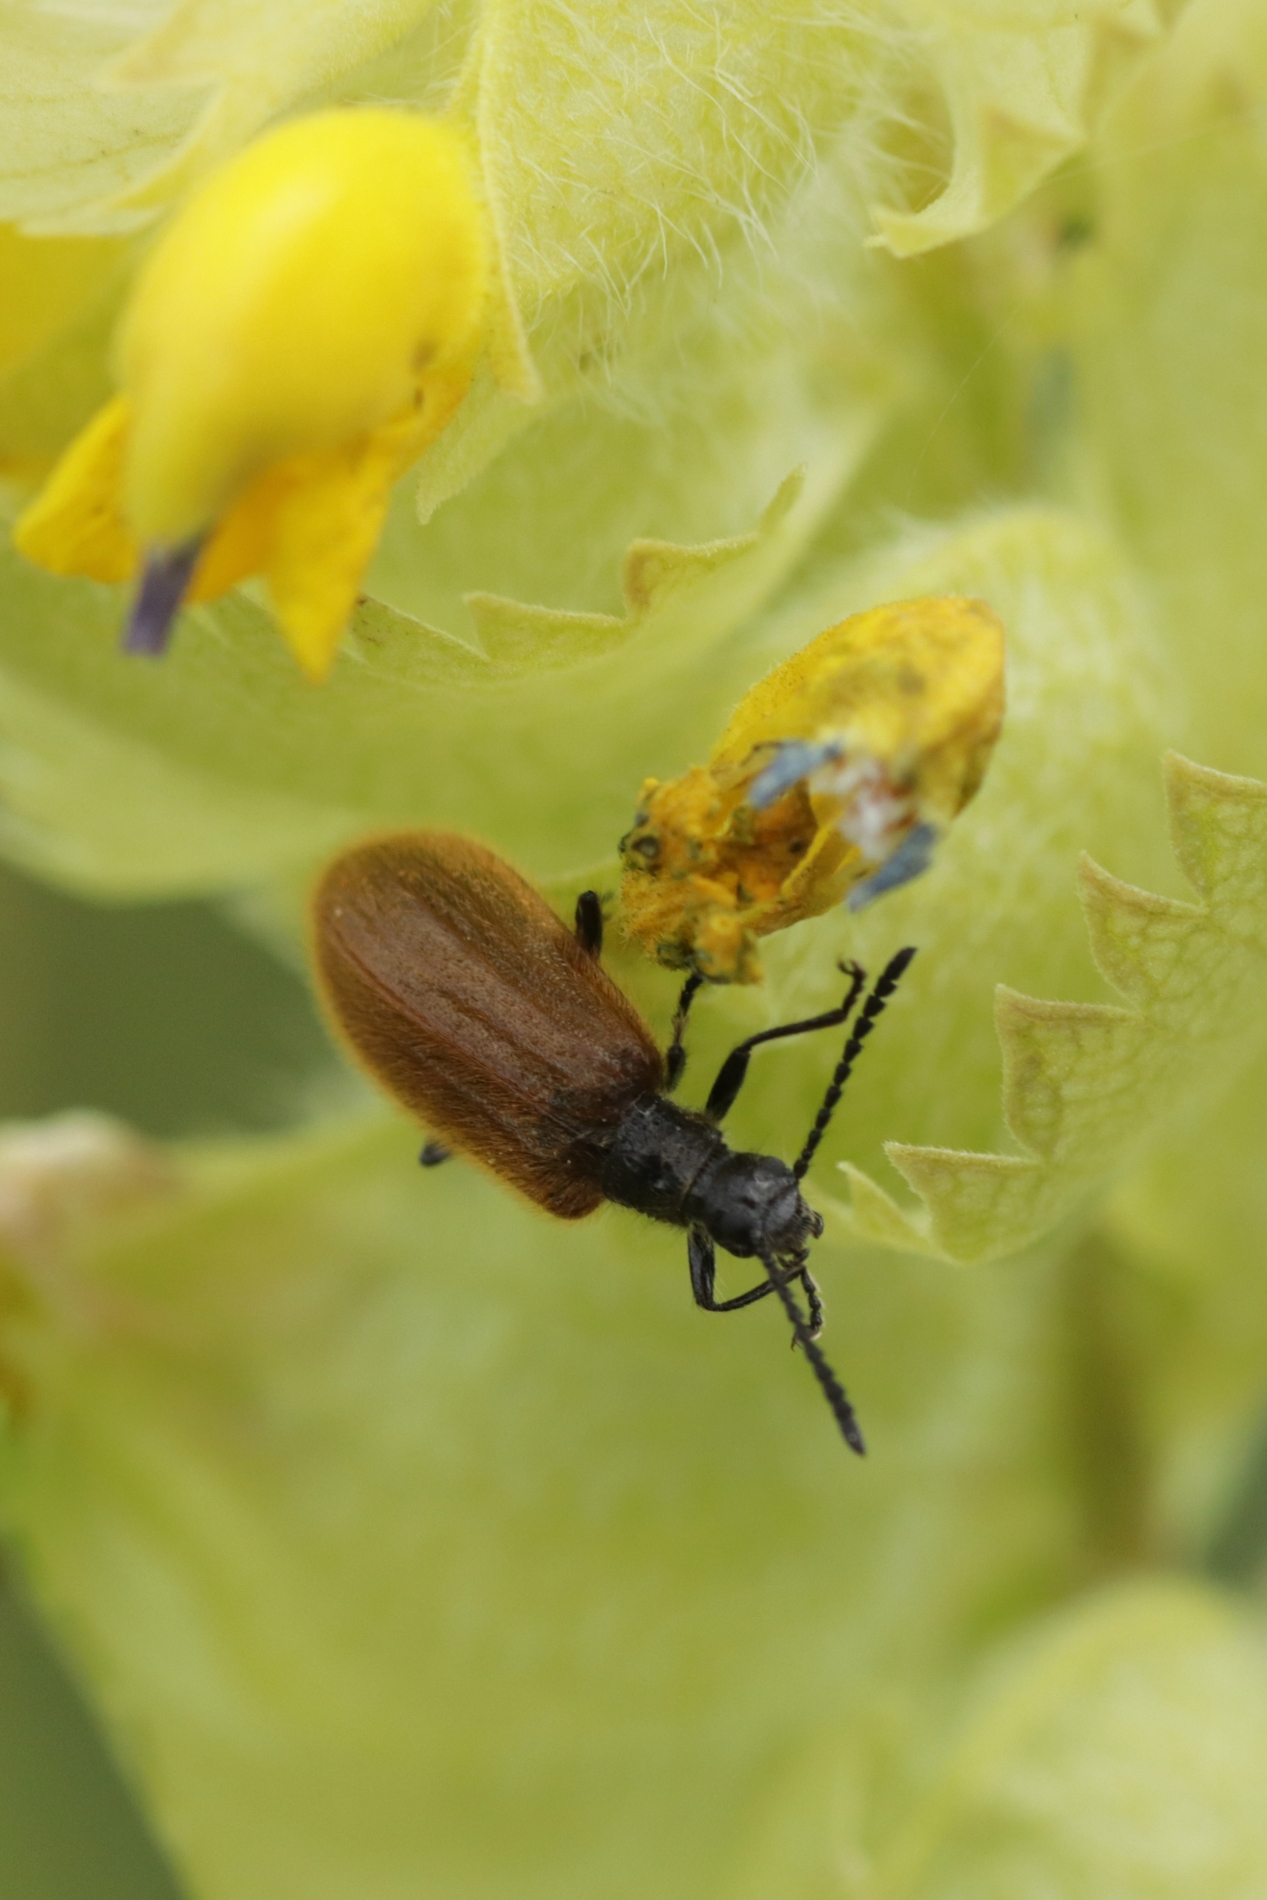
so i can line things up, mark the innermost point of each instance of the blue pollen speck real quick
(912, 857)
(794, 760)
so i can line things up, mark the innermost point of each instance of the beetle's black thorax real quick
(674, 1165)
(659, 1154)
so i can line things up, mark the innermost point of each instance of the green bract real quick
(409, 1543)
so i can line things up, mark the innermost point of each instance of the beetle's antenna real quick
(833, 1391)
(887, 982)
(813, 1298)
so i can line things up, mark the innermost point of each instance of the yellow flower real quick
(835, 778)
(291, 1398)
(306, 325)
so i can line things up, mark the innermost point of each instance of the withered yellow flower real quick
(305, 326)
(834, 780)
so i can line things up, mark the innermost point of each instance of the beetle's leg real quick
(675, 1054)
(702, 1256)
(872, 1008)
(731, 1075)
(589, 922)
(433, 1153)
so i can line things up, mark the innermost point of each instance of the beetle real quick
(468, 998)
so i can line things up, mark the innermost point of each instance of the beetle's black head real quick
(673, 1164)
(751, 1204)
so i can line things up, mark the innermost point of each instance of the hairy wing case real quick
(469, 999)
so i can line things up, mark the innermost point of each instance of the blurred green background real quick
(176, 1021)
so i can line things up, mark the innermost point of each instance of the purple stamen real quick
(165, 577)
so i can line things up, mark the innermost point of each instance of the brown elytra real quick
(474, 1005)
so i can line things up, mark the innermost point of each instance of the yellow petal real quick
(307, 324)
(325, 537)
(76, 525)
(311, 523)
(837, 774)
(295, 304)
(325, 527)
(917, 683)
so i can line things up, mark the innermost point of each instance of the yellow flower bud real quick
(835, 778)
(306, 325)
